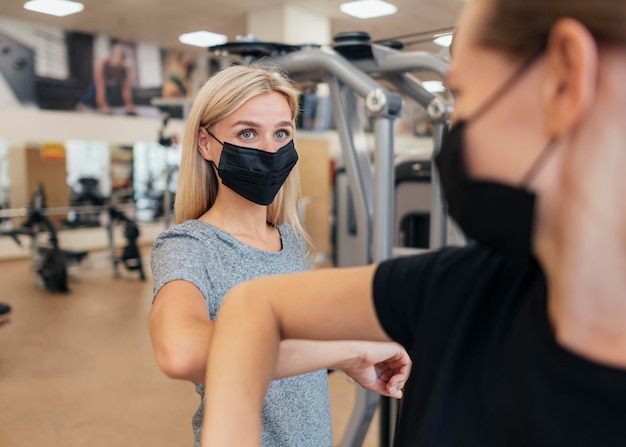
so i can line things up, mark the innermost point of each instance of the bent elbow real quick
(180, 364)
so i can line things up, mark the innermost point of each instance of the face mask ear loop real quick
(214, 137)
(540, 161)
(509, 83)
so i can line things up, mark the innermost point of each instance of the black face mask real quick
(255, 174)
(496, 215)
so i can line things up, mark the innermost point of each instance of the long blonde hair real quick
(220, 96)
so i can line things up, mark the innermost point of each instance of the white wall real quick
(289, 24)
(33, 125)
(306, 27)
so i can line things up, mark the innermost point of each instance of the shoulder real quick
(186, 229)
(191, 228)
(442, 282)
(425, 264)
(184, 252)
(440, 266)
(191, 234)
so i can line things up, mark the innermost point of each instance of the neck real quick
(236, 215)
(581, 224)
(581, 244)
(586, 305)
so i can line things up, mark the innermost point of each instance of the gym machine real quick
(51, 264)
(386, 63)
(130, 257)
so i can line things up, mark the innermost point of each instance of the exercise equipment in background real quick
(52, 265)
(130, 256)
(85, 192)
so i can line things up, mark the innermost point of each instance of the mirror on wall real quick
(89, 180)
(122, 175)
(5, 223)
(86, 175)
(155, 169)
(4, 173)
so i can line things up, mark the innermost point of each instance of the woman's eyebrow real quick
(256, 125)
(246, 123)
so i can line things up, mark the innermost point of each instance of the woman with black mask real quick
(520, 338)
(236, 208)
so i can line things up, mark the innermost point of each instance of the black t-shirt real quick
(487, 370)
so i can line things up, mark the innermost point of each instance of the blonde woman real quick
(237, 214)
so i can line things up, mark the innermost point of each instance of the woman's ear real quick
(204, 145)
(570, 81)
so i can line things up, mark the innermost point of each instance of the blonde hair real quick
(219, 97)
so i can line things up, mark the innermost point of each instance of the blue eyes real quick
(248, 134)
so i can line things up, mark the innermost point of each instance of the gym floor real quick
(77, 370)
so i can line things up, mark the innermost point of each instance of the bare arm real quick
(127, 93)
(100, 82)
(329, 304)
(181, 331)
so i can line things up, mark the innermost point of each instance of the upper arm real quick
(99, 73)
(375, 302)
(176, 302)
(329, 304)
(180, 330)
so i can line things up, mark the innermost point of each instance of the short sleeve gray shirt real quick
(296, 410)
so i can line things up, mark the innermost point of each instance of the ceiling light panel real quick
(203, 39)
(443, 40)
(59, 8)
(368, 9)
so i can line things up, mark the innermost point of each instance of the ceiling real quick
(160, 22)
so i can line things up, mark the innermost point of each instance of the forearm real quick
(302, 356)
(240, 367)
(182, 350)
(185, 357)
(100, 84)
(101, 101)
(127, 93)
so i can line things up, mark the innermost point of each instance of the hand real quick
(382, 367)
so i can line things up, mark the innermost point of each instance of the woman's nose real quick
(269, 144)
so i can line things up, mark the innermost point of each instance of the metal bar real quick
(412, 88)
(438, 211)
(358, 169)
(111, 239)
(358, 175)
(382, 242)
(365, 406)
(60, 210)
(330, 62)
(383, 231)
(387, 60)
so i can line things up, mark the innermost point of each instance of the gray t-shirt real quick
(296, 412)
